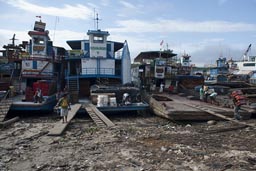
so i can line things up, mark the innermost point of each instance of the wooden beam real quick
(8, 122)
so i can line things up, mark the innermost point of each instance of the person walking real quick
(65, 107)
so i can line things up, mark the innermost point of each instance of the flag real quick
(161, 43)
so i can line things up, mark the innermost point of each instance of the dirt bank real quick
(136, 143)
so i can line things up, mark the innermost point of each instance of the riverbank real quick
(136, 142)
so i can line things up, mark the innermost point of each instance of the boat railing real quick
(101, 71)
(56, 58)
(37, 73)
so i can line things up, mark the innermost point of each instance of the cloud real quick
(75, 11)
(128, 5)
(181, 26)
(6, 35)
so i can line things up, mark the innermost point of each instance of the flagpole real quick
(161, 43)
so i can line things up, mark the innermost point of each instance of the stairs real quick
(73, 85)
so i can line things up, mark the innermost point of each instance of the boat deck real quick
(175, 107)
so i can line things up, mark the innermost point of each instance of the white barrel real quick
(112, 101)
(102, 100)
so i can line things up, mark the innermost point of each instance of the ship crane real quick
(246, 52)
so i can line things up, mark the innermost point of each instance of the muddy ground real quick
(135, 143)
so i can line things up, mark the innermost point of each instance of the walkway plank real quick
(98, 117)
(59, 127)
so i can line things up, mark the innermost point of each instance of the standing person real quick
(201, 93)
(238, 99)
(206, 88)
(213, 96)
(161, 88)
(65, 107)
(38, 96)
(171, 88)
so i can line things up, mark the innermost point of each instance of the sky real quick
(204, 29)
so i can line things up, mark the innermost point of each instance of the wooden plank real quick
(9, 122)
(59, 127)
(102, 116)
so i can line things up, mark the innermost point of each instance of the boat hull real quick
(46, 106)
(130, 107)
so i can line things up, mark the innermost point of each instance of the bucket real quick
(102, 100)
(112, 101)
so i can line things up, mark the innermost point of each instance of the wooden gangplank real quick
(219, 115)
(98, 117)
(59, 127)
(5, 105)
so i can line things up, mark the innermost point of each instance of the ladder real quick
(73, 84)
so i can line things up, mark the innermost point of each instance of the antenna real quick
(38, 16)
(97, 21)
(13, 39)
(55, 25)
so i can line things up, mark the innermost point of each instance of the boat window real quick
(38, 40)
(98, 39)
(249, 64)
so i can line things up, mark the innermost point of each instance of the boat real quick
(97, 67)
(39, 65)
(19, 105)
(96, 61)
(177, 108)
(112, 98)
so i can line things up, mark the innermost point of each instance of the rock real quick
(211, 122)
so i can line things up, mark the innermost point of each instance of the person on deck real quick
(238, 99)
(65, 107)
(38, 96)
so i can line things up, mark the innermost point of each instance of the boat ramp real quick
(99, 118)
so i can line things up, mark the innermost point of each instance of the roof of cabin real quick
(97, 32)
(154, 55)
(76, 44)
(39, 33)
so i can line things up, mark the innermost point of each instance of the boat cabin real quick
(96, 61)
